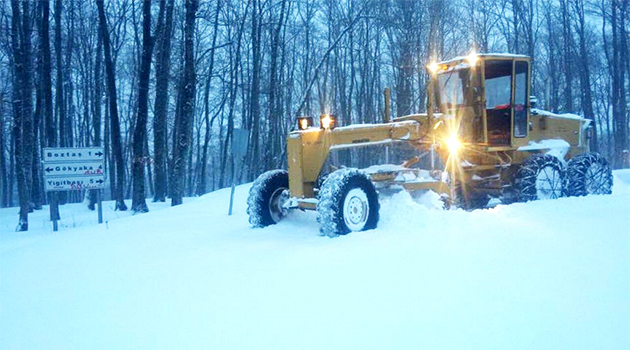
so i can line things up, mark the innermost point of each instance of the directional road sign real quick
(73, 154)
(68, 169)
(66, 183)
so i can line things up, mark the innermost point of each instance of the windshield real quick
(452, 88)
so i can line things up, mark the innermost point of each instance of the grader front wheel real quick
(348, 202)
(465, 197)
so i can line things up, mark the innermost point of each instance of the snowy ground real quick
(539, 275)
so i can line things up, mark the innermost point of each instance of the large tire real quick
(541, 176)
(266, 197)
(348, 202)
(589, 174)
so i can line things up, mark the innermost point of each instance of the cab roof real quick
(486, 56)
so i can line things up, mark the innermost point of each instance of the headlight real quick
(472, 58)
(327, 121)
(453, 144)
(304, 123)
(433, 67)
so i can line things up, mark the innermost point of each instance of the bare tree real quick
(22, 105)
(162, 67)
(140, 131)
(113, 109)
(183, 121)
(202, 186)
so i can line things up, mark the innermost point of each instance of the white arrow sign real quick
(74, 183)
(73, 154)
(72, 168)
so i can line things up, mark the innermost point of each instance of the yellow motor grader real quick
(481, 127)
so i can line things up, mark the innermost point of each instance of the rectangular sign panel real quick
(239, 142)
(74, 183)
(73, 169)
(78, 168)
(73, 154)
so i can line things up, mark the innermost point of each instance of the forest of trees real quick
(163, 84)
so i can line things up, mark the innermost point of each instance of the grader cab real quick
(482, 132)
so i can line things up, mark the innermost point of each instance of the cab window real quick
(498, 90)
(520, 99)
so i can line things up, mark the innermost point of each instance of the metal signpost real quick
(239, 149)
(69, 169)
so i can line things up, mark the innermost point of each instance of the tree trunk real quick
(37, 191)
(183, 121)
(620, 121)
(139, 204)
(60, 107)
(22, 106)
(162, 67)
(254, 98)
(98, 98)
(113, 109)
(202, 184)
(4, 176)
(586, 97)
(567, 54)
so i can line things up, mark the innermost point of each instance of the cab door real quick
(520, 106)
(498, 85)
(507, 102)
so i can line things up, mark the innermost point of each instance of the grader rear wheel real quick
(541, 176)
(589, 174)
(265, 204)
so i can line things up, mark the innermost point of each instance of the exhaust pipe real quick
(387, 113)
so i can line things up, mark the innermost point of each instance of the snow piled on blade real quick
(539, 275)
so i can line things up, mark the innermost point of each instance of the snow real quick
(72, 216)
(362, 144)
(537, 111)
(384, 168)
(556, 147)
(550, 144)
(488, 55)
(539, 275)
(402, 173)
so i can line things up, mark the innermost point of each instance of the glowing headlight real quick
(453, 144)
(304, 123)
(327, 121)
(433, 67)
(472, 58)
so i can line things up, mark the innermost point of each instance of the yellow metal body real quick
(308, 149)
(479, 161)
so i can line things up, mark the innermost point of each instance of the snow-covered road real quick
(538, 275)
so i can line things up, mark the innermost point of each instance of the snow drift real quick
(539, 275)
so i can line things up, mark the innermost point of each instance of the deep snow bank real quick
(540, 275)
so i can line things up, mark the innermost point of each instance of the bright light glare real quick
(472, 58)
(453, 144)
(433, 67)
(303, 124)
(326, 121)
(437, 125)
